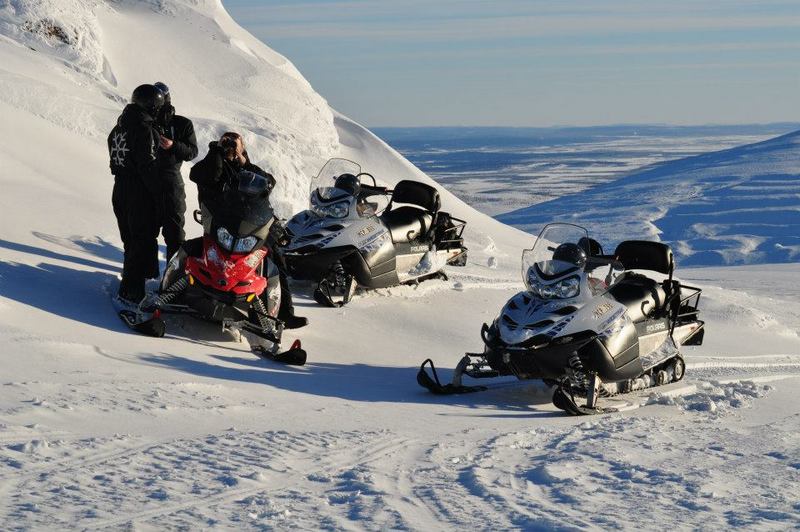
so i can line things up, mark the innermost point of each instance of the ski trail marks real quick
(253, 479)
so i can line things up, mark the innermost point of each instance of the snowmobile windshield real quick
(561, 262)
(242, 211)
(253, 184)
(553, 268)
(331, 171)
(556, 251)
(331, 193)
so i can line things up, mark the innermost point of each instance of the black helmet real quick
(160, 85)
(348, 183)
(148, 98)
(571, 253)
(591, 246)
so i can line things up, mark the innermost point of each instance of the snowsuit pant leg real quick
(287, 305)
(119, 203)
(144, 221)
(174, 209)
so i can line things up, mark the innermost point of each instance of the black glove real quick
(278, 233)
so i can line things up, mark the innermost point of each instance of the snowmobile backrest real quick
(645, 255)
(416, 193)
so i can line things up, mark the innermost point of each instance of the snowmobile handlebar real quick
(367, 174)
(372, 190)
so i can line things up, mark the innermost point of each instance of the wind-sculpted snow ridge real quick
(74, 63)
(737, 206)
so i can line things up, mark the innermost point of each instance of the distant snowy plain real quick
(497, 170)
(104, 429)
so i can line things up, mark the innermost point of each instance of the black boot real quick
(290, 321)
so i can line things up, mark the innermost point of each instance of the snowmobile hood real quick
(525, 316)
(306, 228)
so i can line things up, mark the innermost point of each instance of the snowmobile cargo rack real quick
(687, 310)
(457, 229)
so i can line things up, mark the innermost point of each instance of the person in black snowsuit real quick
(136, 198)
(177, 143)
(220, 167)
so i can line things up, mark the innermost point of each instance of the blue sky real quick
(540, 63)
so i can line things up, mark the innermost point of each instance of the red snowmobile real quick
(228, 276)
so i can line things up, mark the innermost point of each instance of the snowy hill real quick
(73, 63)
(736, 206)
(104, 429)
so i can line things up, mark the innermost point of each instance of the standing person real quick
(220, 168)
(133, 150)
(177, 143)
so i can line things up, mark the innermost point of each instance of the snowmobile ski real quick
(436, 387)
(294, 356)
(566, 402)
(148, 323)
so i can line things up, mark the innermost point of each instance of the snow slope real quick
(104, 429)
(736, 206)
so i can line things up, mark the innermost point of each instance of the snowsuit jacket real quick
(184, 148)
(180, 130)
(133, 147)
(214, 172)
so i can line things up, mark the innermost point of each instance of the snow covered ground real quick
(104, 429)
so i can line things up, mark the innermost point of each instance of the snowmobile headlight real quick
(568, 288)
(245, 245)
(564, 289)
(340, 209)
(224, 238)
(548, 291)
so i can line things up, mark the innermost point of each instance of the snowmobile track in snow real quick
(252, 464)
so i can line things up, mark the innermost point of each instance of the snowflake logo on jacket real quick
(119, 148)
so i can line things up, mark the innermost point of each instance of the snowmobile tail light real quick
(245, 245)
(224, 238)
(564, 289)
(340, 209)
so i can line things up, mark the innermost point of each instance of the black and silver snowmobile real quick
(593, 325)
(345, 240)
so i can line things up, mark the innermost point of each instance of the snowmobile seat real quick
(645, 255)
(407, 223)
(415, 218)
(643, 296)
(417, 194)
